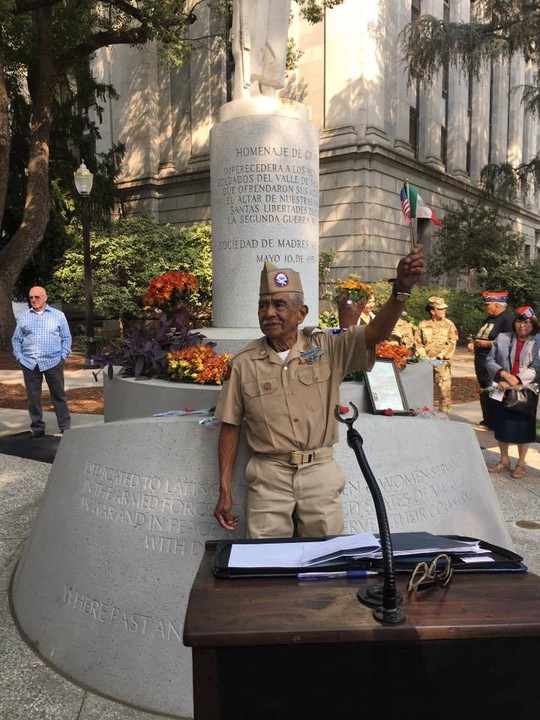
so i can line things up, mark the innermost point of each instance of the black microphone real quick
(383, 599)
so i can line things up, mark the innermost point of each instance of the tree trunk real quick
(4, 136)
(17, 252)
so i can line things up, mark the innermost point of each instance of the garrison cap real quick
(495, 296)
(525, 312)
(275, 280)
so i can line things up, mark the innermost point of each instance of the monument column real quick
(264, 173)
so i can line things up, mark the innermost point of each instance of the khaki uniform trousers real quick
(282, 497)
(442, 375)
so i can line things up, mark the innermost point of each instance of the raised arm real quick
(409, 271)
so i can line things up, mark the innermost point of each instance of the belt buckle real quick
(301, 458)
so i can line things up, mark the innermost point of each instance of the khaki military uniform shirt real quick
(290, 405)
(440, 336)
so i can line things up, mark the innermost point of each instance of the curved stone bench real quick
(102, 585)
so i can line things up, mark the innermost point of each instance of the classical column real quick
(480, 122)
(516, 110)
(499, 112)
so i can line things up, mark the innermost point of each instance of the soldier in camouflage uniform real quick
(436, 339)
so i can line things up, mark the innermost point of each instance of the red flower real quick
(343, 409)
(388, 412)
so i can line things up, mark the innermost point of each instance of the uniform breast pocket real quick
(312, 374)
(261, 400)
(259, 388)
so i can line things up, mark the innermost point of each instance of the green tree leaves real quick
(125, 259)
(476, 237)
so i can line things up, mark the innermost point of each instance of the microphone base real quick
(390, 617)
(373, 597)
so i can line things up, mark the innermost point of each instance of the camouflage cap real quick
(275, 280)
(437, 303)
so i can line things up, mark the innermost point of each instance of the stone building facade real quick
(375, 129)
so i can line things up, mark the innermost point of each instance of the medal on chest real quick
(310, 356)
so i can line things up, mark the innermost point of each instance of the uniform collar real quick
(263, 350)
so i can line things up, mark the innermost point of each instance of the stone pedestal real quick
(102, 585)
(126, 398)
(265, 203)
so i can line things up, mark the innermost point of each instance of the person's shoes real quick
(520, 470)
(35, 436)
(63, 430)
(499, 467)
(481, 426)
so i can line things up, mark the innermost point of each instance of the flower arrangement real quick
(166, 349)
(353, 288)
(198, 364)
(398, 353)
(169, 291)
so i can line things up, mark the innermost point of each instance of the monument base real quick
(126, 398)
(102, 585)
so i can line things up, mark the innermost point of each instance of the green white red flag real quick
(413, 206)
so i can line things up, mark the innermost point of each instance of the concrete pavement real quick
(29, 690)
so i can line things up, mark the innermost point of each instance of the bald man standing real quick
(41, 343)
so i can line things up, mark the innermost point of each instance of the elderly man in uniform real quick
(436, 339)
(499, 320)
(285, 387)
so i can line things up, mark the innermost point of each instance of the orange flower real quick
(398, 353)
(170, 289)
(354, 288)
(198, 364)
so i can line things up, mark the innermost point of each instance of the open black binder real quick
(503, 560)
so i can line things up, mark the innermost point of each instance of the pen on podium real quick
(337, 574)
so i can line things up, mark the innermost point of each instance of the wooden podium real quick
(283, 649)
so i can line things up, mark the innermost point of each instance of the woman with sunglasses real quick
(514, 359)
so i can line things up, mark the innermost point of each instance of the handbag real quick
(522, 399)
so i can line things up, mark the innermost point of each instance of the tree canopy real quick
(498, 30)
(476, 237)
(45, 48)
(126, 257)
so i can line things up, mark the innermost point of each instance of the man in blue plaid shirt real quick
(41, 343)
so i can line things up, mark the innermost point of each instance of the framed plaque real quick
(385, 388)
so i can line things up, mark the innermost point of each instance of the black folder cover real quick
(503, 560)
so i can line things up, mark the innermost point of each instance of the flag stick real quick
(411, 224)
(411, 235)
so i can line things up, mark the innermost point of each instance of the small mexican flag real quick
(413, 206)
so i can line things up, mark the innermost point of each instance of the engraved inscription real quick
(281, 189)
(411, 497)
(121, 618)
(170, 513)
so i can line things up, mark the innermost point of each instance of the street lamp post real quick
(83, 183)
